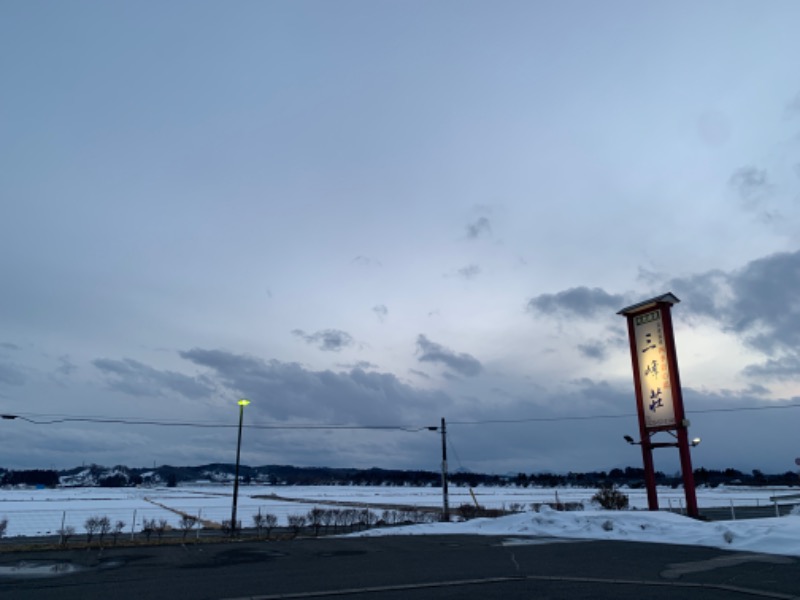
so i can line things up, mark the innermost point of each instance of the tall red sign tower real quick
(659, 400)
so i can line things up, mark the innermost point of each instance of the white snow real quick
(32, 512)
(771, 536)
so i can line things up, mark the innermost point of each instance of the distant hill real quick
(281, 475)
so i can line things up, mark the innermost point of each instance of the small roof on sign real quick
(668, 298)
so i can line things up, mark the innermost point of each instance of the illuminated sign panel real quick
(654, 376)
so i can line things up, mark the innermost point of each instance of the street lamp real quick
(694, 442)
(242, 403)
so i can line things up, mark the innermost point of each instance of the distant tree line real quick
(280, 475)
(35, 477)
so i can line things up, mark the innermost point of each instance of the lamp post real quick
(242, 403)
(693, 442)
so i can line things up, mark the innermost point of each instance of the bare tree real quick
(339, 518)
(270, 522)
(327, 518)
(3, 526)
(91, 525)
(430, 517)
(148, 527)
(296, 523)
(65, 533)
(103, 527)
(117, 530)
(315, 516)
(258, 522)
(186, 524)
(226, 526)
(350, 517)
(367, 518)
(262, 521)
(161, 527)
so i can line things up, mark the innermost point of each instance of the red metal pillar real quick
(682, 432)
(649, 474)
(688, 473)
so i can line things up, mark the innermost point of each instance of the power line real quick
(743, 408)
(542, 419)
(617, 416)
(37, 419)
(44, 420)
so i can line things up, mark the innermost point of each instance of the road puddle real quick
(38, 569)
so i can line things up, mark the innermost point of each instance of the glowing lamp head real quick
(244, 402)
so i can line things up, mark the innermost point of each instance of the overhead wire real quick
(45, 419)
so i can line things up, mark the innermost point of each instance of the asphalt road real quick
(390, 568)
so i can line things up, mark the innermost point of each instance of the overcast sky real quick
(382, 213)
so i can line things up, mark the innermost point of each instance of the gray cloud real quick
(785, 368)
(579, 301)
(595, 349)
(137, 379)
(462, 363)
(758, 302)
(600, 349)
(705, 293)
(287, 392)
(752, 185)
(328, 340)
(366, 261)
(419, 373)
(469, 272)
(290, 391)
(66, 367)
(755, 389)
(793, 108)
(713, 127)
(481, 227)
(361, 364)
(381, 311)
(9, 346)
(11, 375)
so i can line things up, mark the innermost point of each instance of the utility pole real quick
(242, 403)
(445, 504)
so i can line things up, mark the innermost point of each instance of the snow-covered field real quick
(34, 512)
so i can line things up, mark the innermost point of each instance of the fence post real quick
(777, 510)
(733, 512)
(133, 525)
